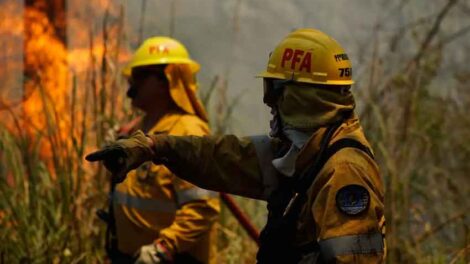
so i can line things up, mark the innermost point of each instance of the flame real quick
(11, 57)
(45, 103)
(45, 56)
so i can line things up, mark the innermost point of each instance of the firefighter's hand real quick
(154, 253)
(124, 154)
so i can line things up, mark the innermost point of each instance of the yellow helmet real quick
(309, 56)
(160, 50)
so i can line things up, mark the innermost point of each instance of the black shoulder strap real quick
(347, 143)
(309, 176)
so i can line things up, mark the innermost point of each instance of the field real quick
(411, 98)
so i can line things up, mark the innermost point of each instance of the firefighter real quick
(160, 218)
(316, 170)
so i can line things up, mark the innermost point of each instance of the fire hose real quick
(241, 217)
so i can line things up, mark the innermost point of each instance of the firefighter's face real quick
(147, 87)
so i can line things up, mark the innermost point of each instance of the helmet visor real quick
(273, 89)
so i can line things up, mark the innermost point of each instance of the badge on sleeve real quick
(352, 199)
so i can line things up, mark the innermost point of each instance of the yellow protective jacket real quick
(243, 166)
(153, 204)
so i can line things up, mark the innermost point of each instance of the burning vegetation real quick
(63, 104)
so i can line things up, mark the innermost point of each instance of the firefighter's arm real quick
(224, 164)
(198, 211)
(348, 211)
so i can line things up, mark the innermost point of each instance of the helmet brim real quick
(127, 70)
(280, 76)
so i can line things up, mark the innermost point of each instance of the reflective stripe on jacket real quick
(154, 204)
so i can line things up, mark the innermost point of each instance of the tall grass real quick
(45, 217)
(48, 192)
(419, 134)
(420, 137)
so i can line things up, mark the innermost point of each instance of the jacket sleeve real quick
(224, 164)
(348, 212)
(197, 213)
(198, 209)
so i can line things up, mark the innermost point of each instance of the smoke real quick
(232, 38)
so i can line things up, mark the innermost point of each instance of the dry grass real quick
(420, 138)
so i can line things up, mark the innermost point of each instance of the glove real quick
(154, 253)
(124, 154)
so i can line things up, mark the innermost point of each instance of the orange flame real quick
(44, 105)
